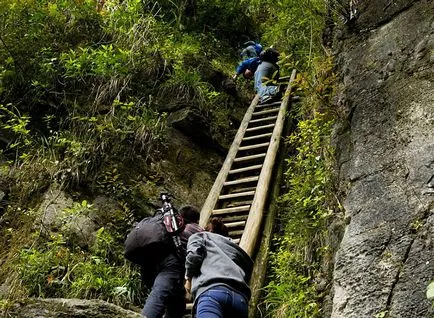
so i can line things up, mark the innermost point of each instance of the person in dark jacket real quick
(167, 296)
(266, 75)
(217, 272)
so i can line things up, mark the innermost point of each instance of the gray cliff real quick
(385, 154)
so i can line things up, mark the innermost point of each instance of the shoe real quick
(265, 99)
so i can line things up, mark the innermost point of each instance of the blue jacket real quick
(249, 64)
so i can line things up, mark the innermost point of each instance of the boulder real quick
(66, 308)
(57, 215)
(194, 125)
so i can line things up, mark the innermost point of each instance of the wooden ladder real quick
(240, 191)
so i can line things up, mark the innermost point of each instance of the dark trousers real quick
(167, 294)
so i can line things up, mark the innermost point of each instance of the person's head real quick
(270, 55)
(216, 225)
(248, 74)
(190, 214)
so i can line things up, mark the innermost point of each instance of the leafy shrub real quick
(304, 213)
(31, 28)
(59, 270)
(185, 86)
(103, 61)
(293, 27)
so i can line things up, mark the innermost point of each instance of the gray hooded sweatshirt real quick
(213, 260)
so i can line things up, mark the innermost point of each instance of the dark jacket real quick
(212, 260)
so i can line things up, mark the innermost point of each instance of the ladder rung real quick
(235, 224)
(240, 181)
(189, 306)
(284, 78)
(265, 144)
(255, 167)
(262, 119)
(269, 104)
(236, 233)
(236, 241)
(257, 136)
(252, 157)
(239, 203)
(236, 195)
(231, 218)
(260, 127)
(242, 208)
(268, 111)
(238, 190)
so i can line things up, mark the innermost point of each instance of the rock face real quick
(386, 161)
(71, 308)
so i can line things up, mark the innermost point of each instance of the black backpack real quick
(148, 242)
(155, 237)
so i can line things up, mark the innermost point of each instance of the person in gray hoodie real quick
(217, 272)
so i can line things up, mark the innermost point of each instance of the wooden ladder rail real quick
(251, 230)
(256, 213)
(214, 193)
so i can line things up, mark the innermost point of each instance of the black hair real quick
(269, 55)
(190, 214)
(216, 225)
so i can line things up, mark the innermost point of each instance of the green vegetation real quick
(58, 270)
(84, 96)
(82, 90)
(305, 212)
(302, 256)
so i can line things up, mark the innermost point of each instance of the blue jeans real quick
(221, 301)
(167, 294)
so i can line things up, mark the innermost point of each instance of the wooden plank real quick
(236, 195)
(235, 224)
(257, 137)
(238, 190)
(236, 233)
(241, 181)
(232, 218)
(267, 105)
(242, 208)
(239, 203)
(254, 220)
(262, 145)
(255, 167)
(260, 127)
(284, 78)
(252, 157)
(254, 121)
(265, 112)
(214, 193)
